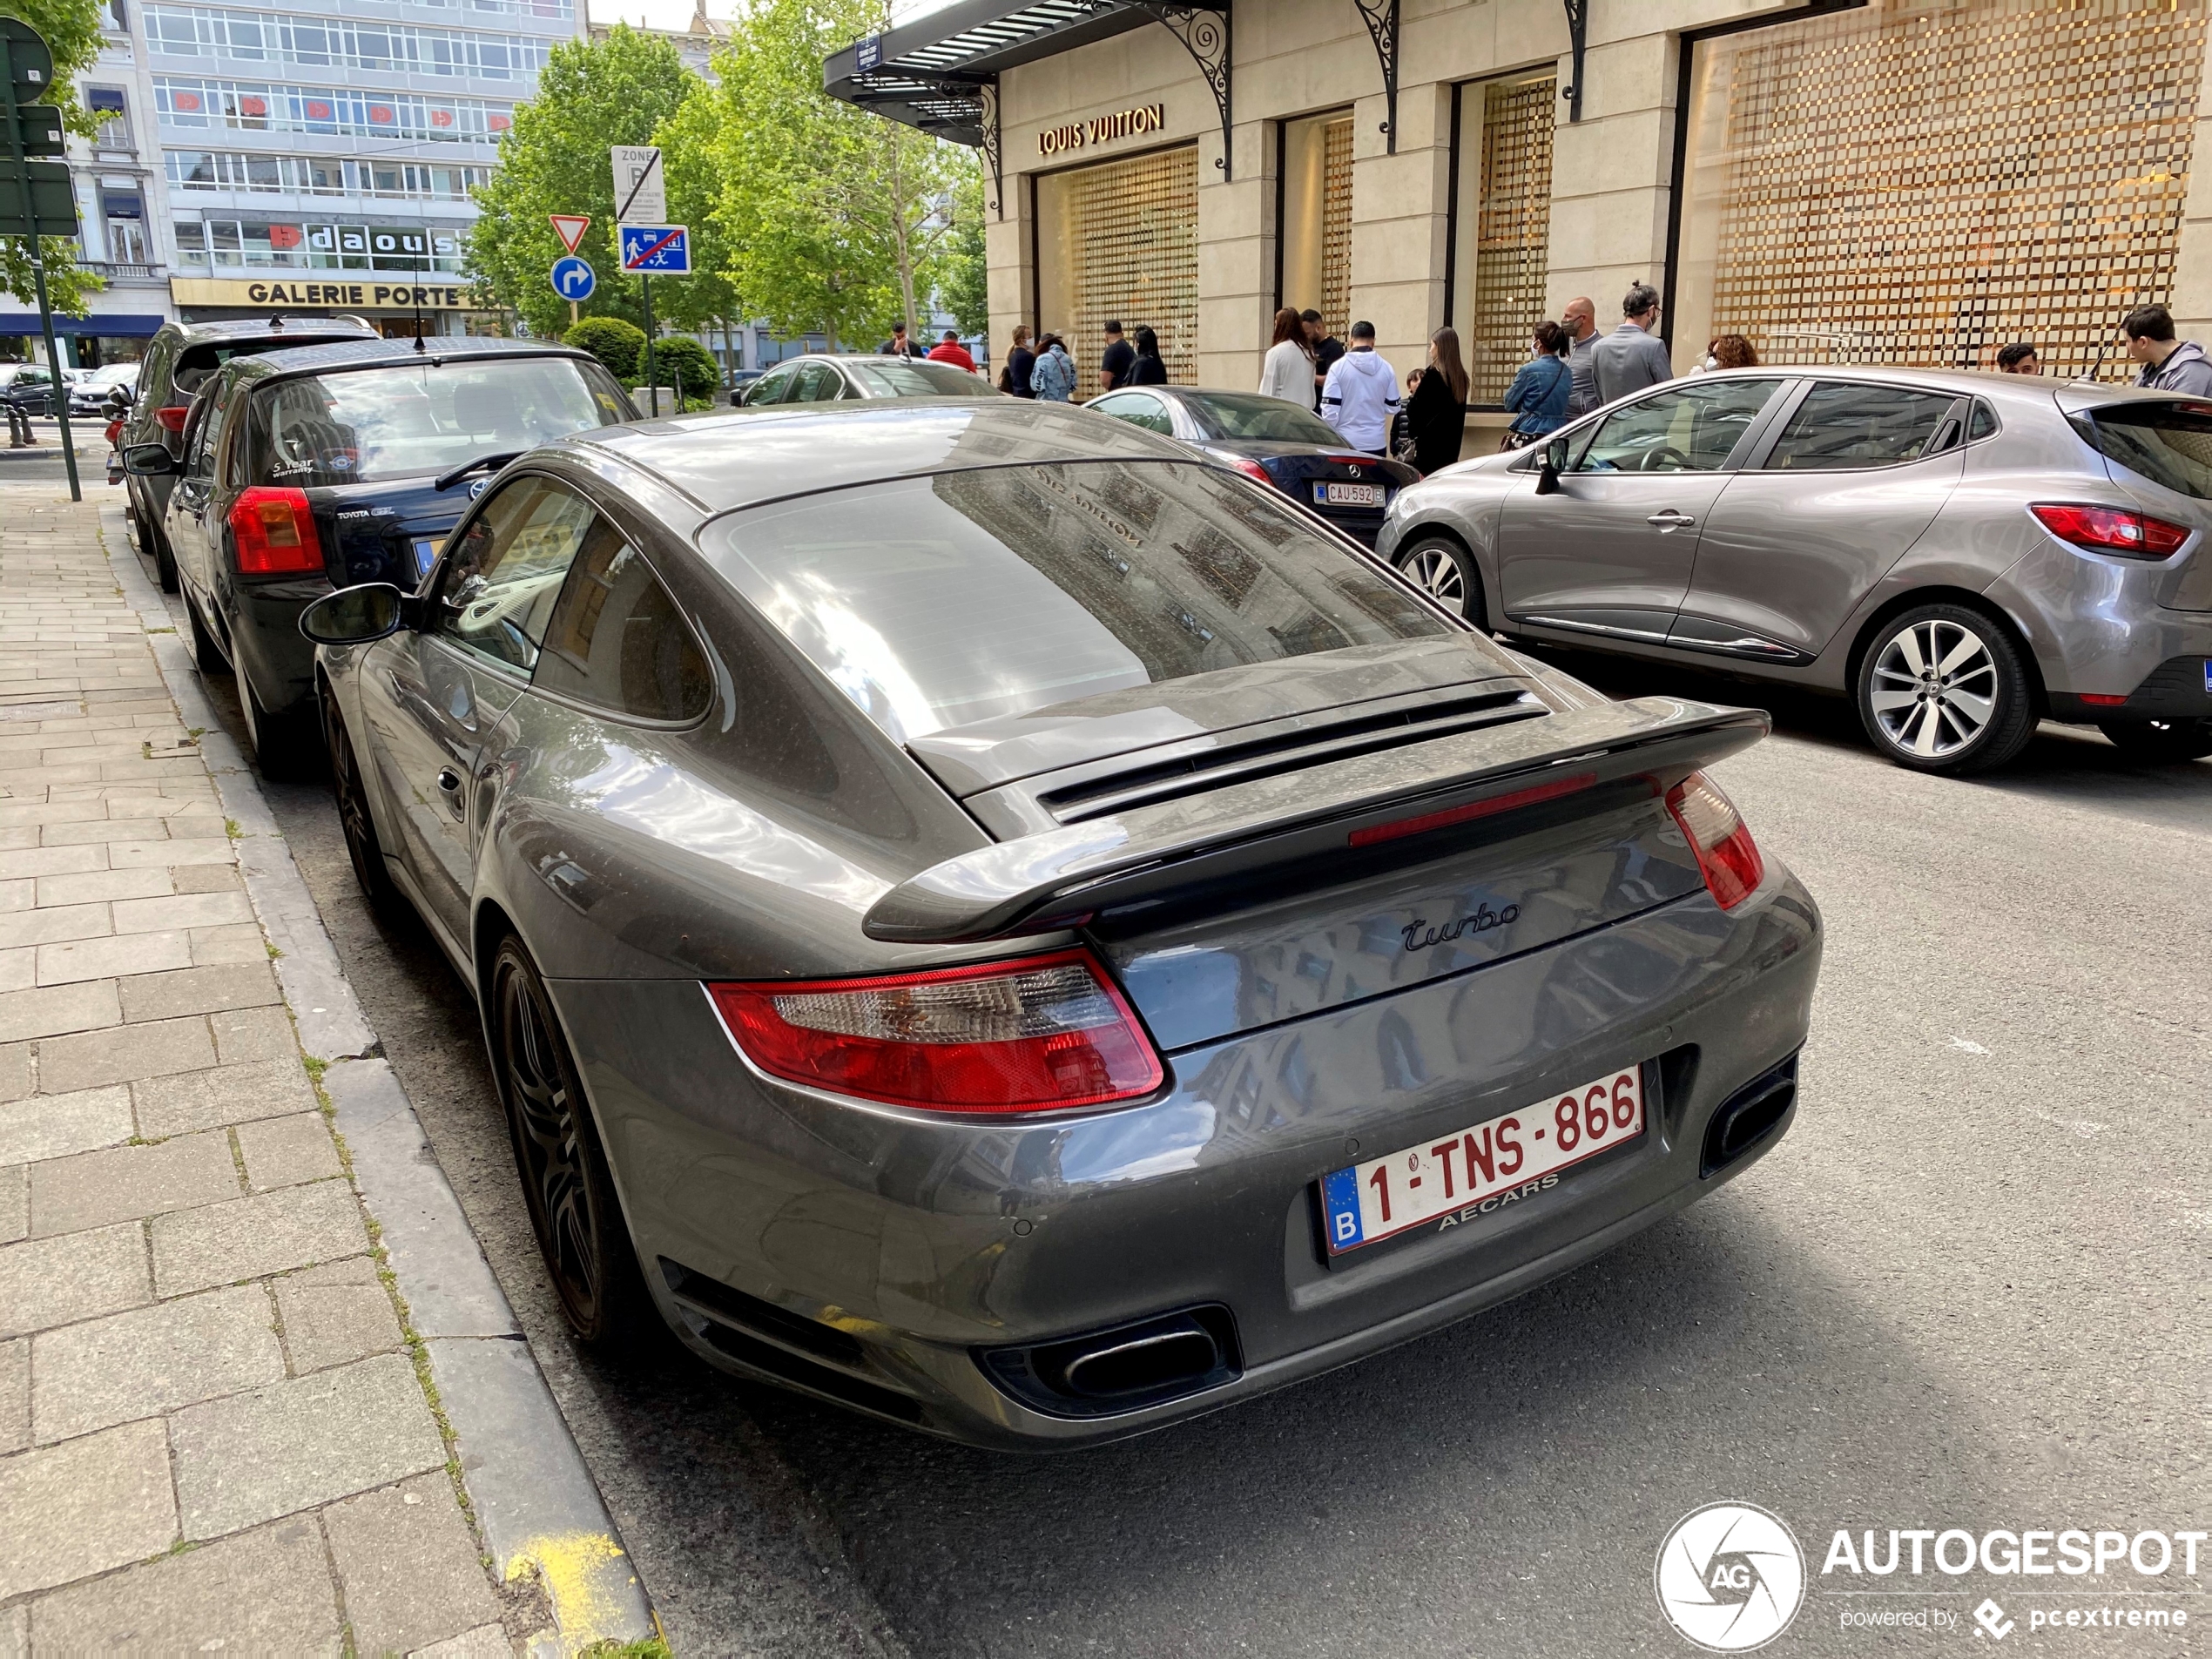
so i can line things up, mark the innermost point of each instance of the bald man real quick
(1579, 318)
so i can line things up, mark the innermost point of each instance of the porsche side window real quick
(1690, 430)
(617, 640)
(506, 571)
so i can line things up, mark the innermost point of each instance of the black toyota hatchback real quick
(327, 466)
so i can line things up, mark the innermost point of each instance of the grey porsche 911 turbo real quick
(984, 918)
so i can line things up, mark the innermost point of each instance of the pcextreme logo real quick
(1730, 1577)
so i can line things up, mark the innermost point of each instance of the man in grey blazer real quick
(1632, 357)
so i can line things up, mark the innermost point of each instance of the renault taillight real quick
(2111, 529)
(1726, 856)
(274, 532)
(1036, 1034)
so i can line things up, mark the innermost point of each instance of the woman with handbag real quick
(1539, 393)
(1287, 370)
(1436, 415)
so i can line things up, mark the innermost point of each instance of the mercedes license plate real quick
(1475, 1172)
(1348, 495)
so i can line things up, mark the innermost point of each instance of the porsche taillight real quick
(274, 532)
(1038, 1033)
(1726, 856)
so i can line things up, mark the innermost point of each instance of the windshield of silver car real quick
(937, 602)
(920, 379)
(403, 420)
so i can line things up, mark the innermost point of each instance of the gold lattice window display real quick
(1512, 230)
(1335, 227)
(1120, 243)
(1922, 181)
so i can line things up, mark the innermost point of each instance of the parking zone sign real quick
(656, 250)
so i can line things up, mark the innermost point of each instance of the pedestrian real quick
(1632, 357)
(1013, 379)
(1115, 363)
(898, 345)
(1052, 377)
(949, 350)
(1360, 394)
(2168, 365)
(2019, 357)
(1326, 347)
(1148, 369)
(1542, 390)
(1579, 318)
(1287, 370)
(1733, 351)
(1436, 415)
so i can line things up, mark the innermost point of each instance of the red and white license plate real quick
(1475, 1172)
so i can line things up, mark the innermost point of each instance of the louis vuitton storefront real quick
(1896, 181)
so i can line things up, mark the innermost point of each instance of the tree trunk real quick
(900, 231)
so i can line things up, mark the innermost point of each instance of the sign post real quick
(646, 249)
(27, 67)
(641, 202)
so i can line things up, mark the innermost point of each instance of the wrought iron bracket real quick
(1578, 38)
(1203, 32)
(1381, 18)
(989, 92)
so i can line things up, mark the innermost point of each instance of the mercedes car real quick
(986, 919)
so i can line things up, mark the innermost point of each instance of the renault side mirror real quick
(355, 616)
(148, 460)
(1547, 469)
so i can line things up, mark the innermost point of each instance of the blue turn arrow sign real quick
(572, 279)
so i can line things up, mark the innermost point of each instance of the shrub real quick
(684, 363)
(619, 345)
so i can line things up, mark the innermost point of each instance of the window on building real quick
(1119, 243)
(124, 210)
(1500, 232)
(206, 32)
(1316, 230)
(109, 104)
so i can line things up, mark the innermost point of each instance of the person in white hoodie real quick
(1360, 396)
(1287, 371)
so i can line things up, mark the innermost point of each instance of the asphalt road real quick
(1967, 1291)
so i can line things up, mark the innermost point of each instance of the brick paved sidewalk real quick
(213, 1429)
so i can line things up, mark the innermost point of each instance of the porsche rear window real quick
(2167, 443)
(934, 603)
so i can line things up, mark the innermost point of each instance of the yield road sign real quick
(656, 250)
(571, 227)
(573, 278)
(641, 189)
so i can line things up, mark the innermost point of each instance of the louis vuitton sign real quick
(1123, 124)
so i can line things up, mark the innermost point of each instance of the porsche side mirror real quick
(354, 615)
(148, 460)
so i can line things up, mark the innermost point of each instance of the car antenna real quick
(416, 293)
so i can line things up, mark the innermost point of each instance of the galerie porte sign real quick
(1123, 124)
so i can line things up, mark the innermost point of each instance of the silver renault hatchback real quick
(1961, 553)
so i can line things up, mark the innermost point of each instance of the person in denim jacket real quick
(1538, 394)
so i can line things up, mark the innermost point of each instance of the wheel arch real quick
(1940, 594)
(1442, 530)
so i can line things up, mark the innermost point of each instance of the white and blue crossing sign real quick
(573, 278)
(656, 250)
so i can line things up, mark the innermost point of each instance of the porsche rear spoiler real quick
(1054, 880)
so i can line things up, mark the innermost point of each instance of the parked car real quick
(325, 466)
(1961, 553)
(989, 921)
(740, 381)
(1274, 442)
(178, 360)
(90, 391)
(826, 378)
(30, 387)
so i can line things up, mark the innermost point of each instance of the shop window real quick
(1315, 229)
(1501, 217)
(1119, 243)
(1905, 183)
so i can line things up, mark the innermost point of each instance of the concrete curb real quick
(533, 1493)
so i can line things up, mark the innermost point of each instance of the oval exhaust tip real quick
(1159, 1359)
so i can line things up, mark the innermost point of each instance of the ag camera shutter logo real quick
(1730, 1577)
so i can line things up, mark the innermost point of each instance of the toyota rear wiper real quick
(495, 461)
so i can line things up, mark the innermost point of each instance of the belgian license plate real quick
(426, 555)
(1348, 495)
(2207, 677)
(1475, 1172)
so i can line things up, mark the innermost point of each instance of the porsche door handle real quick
(1671, 520)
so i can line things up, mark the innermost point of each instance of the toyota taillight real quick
(172, 418)
(274, 532)
(2111, 529)
(1726, 856)
(1036, 1035)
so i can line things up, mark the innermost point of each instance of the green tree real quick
(963, 284)
(831, 219)
(707, 299)
(554, 160)
(71, 29)
(619, 344)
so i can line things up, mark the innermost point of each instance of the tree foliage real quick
(71, 29)
(684, 363)
(964, 285)
(593, 94)
(618, 343)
